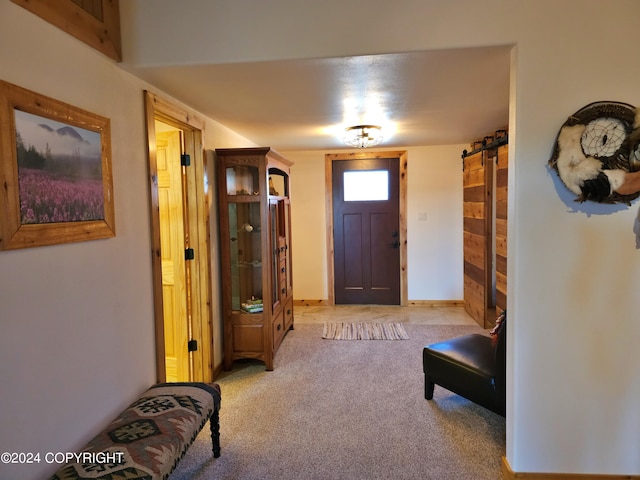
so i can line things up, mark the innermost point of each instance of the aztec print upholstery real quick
(150, 437)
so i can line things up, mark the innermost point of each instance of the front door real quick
(366, 231)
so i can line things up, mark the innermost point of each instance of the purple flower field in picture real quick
(46, 199)
(59, 171)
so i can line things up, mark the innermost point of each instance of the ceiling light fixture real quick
(363, 136)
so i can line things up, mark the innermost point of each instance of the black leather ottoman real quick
(471, 366)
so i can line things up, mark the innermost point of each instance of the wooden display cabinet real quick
(255, 246)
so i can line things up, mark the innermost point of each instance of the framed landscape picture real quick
(55, 169)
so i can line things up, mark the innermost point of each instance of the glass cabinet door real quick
(242, 180)
(246, 256)
(278, 183)
(280, 259)
(273, 235)
(287, 233)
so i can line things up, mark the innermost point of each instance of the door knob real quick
(395, 244)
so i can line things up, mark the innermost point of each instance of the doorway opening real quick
(366, 239)
(178, 188)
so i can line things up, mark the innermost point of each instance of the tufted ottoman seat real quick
(148, 439)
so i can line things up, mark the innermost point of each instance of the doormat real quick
(364, 331)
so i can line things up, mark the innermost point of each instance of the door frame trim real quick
(157, 108)
(329, 158)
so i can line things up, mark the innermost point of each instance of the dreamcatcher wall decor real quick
(597, 153)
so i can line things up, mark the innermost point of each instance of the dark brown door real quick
(366, 231)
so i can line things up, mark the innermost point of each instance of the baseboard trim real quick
(412, 303)
(508, 474)
(436, 303)
(310, 303)
(217, 372)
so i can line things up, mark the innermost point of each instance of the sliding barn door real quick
(478, 220)
(501, 226)
(485, 228)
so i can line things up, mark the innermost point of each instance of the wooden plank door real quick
(366, 235)
(174, 284)
(501, 226)
(477, 227)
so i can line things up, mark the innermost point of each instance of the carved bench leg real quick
(215, 432)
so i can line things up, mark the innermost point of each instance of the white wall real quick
(434, 223)
(309, 225)
(75, 342)
(573, 390)
(76, 320)
(434, 245)
(572, 267)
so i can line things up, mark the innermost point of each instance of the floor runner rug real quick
(364, 331)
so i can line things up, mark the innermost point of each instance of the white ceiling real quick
(441, 97)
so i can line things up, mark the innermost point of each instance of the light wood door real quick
(172, 241)
(501, 226)
(164, 116)
(477, 226)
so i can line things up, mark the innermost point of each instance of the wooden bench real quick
(149, 438)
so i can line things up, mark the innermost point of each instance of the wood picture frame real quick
(55, 172)
(94, 22)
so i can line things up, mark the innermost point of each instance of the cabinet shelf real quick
(243, 198)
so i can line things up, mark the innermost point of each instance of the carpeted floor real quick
(349, 410)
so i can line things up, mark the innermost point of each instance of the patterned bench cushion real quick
(150, 437)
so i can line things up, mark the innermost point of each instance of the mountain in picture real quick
(67, 131)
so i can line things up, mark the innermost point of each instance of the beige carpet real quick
(333, 410)
(364, 331)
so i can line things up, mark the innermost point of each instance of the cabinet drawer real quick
(282, 248)
(278, 330)
(288, 315)
(282, 278)
(248, 338)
